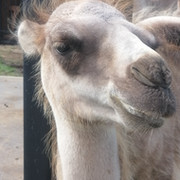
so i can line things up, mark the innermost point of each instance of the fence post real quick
(36, 164)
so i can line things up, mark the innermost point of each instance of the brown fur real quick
(154, 8)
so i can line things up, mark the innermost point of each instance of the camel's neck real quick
(88, 152)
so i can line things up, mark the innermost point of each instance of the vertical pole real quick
(5, 4)
(36, 163)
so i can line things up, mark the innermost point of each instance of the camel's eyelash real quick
(67, 45)
(63, 49)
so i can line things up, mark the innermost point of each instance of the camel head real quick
(97, 66)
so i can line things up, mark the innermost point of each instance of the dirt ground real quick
(12, 56)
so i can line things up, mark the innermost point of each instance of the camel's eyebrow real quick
(65, 36)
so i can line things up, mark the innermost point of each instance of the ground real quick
(11, 60)
(11, 128)
(11, 113)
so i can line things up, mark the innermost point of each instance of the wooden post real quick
(36, 163)
(4, 9)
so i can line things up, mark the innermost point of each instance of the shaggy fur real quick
(40, 11)
(153, 10)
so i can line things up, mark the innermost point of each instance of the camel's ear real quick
(31, 37)
(165, 29)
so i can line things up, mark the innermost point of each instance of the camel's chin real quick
(154, 121)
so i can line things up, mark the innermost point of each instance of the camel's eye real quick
(63, 48)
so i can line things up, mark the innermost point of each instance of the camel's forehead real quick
(84, 28)
(85, 16)
(90, 8)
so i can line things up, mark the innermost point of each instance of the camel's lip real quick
(152, 120)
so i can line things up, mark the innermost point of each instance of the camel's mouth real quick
(144, 104)
(147, 110)
(153, 120)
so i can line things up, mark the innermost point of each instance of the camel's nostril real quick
(166, 75)
(151, 72)
(159, 74)
(141, 77)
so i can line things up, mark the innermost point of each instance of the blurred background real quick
(11, 94)
(10, 54)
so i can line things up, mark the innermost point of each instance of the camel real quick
(113, 89)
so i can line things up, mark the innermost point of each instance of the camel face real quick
(103, 68)
(96, 69)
